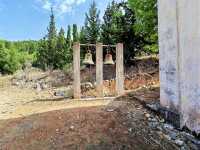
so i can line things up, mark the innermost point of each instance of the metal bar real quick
(95, 45)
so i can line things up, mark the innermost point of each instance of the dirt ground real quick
(108, 127)
(29, 122)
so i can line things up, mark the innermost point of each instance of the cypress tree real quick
(82, 36)
(75, 33)
(61, 50)
(51, 41)
(92, 24)
(109, 26)
(69, 38)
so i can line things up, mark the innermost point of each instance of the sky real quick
(28, 19)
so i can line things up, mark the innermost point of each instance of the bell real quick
(88, 59)
(108, 60)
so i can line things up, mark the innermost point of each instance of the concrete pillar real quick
(179, 41)
(169, 53)
(76, 70)
(119, 69)
(99, 69)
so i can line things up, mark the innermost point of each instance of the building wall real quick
(179, 40)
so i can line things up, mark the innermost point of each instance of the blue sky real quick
(28, 19)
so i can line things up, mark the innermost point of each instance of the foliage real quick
(75, 33)
(146, 22)
(117, 28)
(51, 42)
(92, 24)
(69, 36)
(62, 51)
(133, 23)
(54, 50)
(13, 58)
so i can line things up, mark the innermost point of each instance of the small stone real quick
(154, 107)
(162, 120)
(147, 115)
(57, 130)
(173, 135)
(179, 142)
(160, 134)
(152, 119)
(153, 124)
(72, 127)
(167, 137)
(159, 128)
(110, 110)
(168, 126)
(130, 129)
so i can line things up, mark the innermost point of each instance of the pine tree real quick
(118, 27)
(146, 23)
(92, 24)
(82, 36)
(69, 38)
(61, 50)
(110, 24)
(51, 41)
(75, 33)
(42, 55)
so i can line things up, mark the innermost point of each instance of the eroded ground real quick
(30, 120)
(93, 128)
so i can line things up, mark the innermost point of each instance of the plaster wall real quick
(179, 41)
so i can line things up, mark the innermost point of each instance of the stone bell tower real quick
(179, 45)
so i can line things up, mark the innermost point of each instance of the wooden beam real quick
(119, 69)
(76, 69)
(99, 69)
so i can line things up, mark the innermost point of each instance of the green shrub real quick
(12, 59)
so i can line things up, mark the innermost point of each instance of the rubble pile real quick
(37, 79)
(144, 113)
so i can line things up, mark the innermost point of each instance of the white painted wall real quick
(179, 40)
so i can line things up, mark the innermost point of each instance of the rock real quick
(159, 128)
(72, 127)
(168, 126)
(66, 92)
(153, 119)
(130, 129)
(19, 75)
(191, 138)
(162, 120)
(153, 124)
(44, 86)
(178, 142)
(167, 137)
(173, 135)
(154, 107)
(193, 146)
(147, 115)
(15, 83)
(87, 86)
(38, 87)
(57, 130)
(109, 110)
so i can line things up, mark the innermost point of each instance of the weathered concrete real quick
(179, 39)
(120, 69)
(99, 69)
(76, 69)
